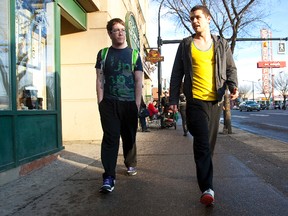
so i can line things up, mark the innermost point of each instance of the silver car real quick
(249, 106)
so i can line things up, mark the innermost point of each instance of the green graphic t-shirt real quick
(119, 77)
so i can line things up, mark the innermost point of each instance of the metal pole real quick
(159, 44)
(273, 100)
(253, 89)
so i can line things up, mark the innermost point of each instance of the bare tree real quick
(281, 84)
(230, 19)
(243, 91)
(266, 92)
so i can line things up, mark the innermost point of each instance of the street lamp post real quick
(253, 89)
(272, 85)
(159, 44)
(253, 82)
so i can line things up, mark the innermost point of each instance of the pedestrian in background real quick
(165, 102)
(206, 63)
(182, 110)
(143, 114)
(153, 111)
(119, 90)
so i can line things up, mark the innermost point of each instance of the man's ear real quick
(209, 19)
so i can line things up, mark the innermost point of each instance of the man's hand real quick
(174, 108)
(138, 106)
(234, 95)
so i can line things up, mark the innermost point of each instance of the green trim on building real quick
(13, 55)
(74, 13)
(58, 71)
(29, 135)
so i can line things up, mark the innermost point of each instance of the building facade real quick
(78, 56)
(48, 51)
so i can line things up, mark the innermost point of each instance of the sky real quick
(246, 54)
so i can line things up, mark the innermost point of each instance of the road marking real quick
(278, 113)
(279, 126)
(259, 115)
(239, 116)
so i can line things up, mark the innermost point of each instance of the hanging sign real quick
(132, 33)
(154, 56)
(271, 64)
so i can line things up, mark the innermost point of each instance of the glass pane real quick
(35, 65)
(4, 56)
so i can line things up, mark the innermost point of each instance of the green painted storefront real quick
(30, 90)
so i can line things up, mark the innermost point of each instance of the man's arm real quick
(231, 73)
(176, 77)
(99, 85)
(138, 87)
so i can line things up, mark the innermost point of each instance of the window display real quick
(4, 56)
(35, 65)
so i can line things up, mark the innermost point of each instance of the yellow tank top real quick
(203, 73)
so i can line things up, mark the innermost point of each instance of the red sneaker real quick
(207, 197)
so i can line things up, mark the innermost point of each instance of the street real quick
(268, 123)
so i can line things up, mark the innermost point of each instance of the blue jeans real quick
(143, 123)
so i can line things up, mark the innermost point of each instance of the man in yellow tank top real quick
(206, 63)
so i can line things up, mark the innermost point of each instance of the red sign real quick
(154, 56)
(271, 64)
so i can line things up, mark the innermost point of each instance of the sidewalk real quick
(165, 184)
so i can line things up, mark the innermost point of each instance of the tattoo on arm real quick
(101, 78)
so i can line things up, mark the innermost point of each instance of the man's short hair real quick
(112, 22)
(203, 8)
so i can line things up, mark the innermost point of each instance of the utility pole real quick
(159, 44)
(253, 82)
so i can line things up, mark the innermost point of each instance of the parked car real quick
(264, 106)
(277, 106)
(249, 106)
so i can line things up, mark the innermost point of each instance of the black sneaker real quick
(108, 185)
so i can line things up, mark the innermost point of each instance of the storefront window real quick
(35, 65)
(4, 56)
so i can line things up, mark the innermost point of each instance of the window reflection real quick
(4, 56)
(35, 70)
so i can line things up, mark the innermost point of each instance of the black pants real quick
(118, 118)
(182, 109)
(143, 123)
(203, 123)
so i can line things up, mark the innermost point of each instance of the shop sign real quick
(132, 33)
(154, 56)
(271, 64)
